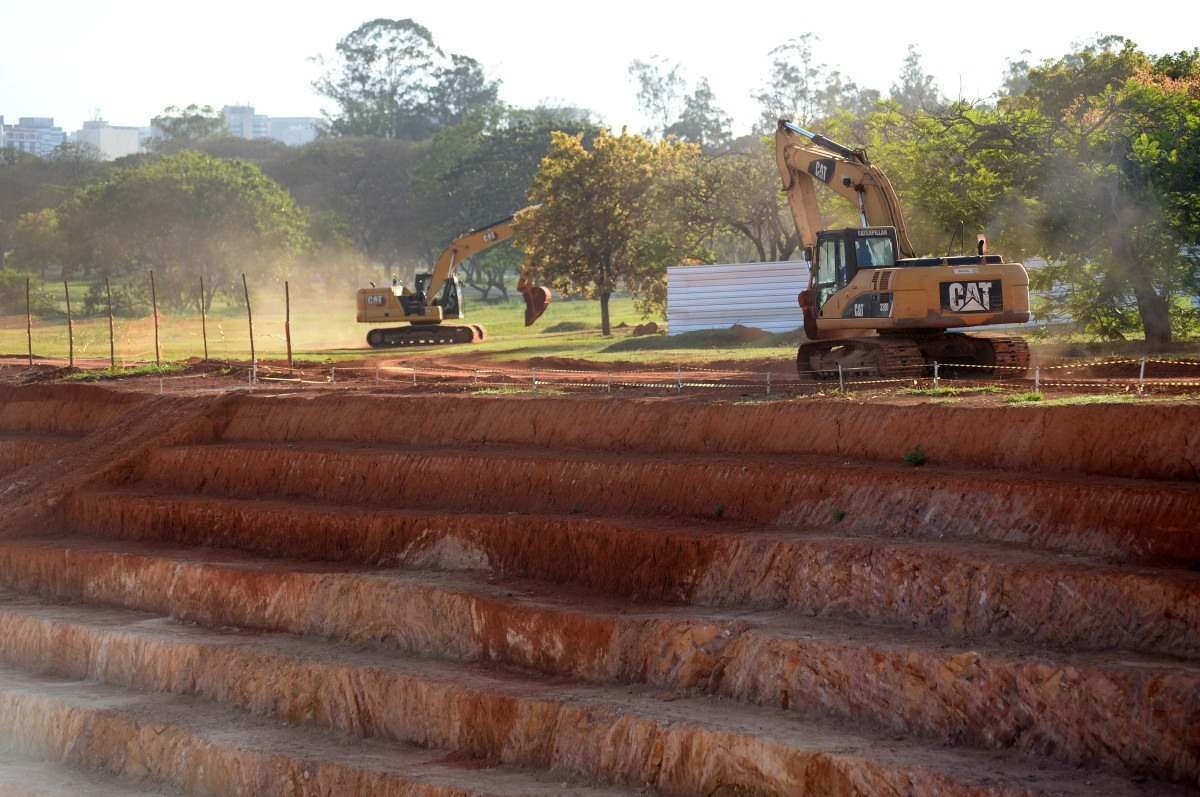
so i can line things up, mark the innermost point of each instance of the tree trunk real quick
(1155, 313)
(605, 325)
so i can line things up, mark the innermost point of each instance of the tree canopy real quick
(616, 214)
(184, 216)
(391, 80)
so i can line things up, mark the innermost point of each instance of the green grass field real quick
(325, 330)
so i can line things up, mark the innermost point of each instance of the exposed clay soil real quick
(366, 592)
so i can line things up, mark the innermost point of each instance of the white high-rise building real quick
(111, 141)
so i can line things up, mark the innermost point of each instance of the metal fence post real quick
(332, 374)
(1037, 379)
(1142, 376)
(678, 379)
(936, 374)
(414, 377)
(533, 378)
(768, 383)
(841, 379)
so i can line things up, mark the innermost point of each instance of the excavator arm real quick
(480, 240)
(804, 157)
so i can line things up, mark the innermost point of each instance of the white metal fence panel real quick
(761, 295)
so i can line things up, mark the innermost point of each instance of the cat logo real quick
(974, 296)
(822, 169)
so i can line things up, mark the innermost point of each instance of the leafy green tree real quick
(480, 171)
(616, 214)
(36, 242)
(390, 80)
(1120, 192)
(184, 216)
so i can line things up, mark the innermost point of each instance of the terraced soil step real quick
(629, 735)
(61, 409)
(1124, 519)
(19, 450)
(22, 776)
(964, 588)
(1133, 712)
(204, 748)
(1142, 441)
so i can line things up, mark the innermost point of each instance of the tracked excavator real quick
(437, 296)
(872, 304)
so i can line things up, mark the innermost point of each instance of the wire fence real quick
(125, 348)
(1132, 377)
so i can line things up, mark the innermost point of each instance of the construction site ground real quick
(360, 587)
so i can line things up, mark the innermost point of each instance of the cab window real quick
(830, 269)
(874, 251)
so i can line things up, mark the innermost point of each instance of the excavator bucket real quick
(537, 299)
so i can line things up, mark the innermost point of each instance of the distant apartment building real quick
(36, 135)
(296, 131)
(111, 141)
(241, 121)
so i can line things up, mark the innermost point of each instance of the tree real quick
(36, 242)
(177, 128)
(185, 216)
(660, 87)
(616, 214)
(745, 199)
(1120, 193)
(480, 171)
(702, 121)
(793, 89)
(915, 90)
(391, 80)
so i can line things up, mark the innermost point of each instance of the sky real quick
(127, 60)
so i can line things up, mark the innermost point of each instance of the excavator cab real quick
(451, 299)
(841, 253)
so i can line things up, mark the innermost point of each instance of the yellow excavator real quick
(874, 306)
(437, 296)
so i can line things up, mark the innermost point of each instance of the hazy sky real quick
(129, 59)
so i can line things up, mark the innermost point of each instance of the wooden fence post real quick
(287, 322)
(28, 321)
(249, 319)
(203, 319)
(112, 345)
(70, 327)
(154, 304)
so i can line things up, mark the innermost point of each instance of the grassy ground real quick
(327, 331)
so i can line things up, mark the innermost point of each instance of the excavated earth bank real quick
(464, 595)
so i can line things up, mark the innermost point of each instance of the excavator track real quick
(425, 335)
(891, 356)
(860, 357)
